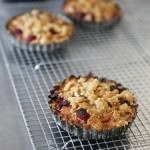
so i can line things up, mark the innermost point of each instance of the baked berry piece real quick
(57, 102)
(82, 114)
(40, 27)
(17, 32)
(95, 11)
(117, 86)
(93, 105)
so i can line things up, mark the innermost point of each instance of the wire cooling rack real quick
(119, 53)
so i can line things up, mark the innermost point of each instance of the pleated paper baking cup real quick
(38, 47)
(92, 134)
(95, 26)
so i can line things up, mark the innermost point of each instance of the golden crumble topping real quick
(93, 103)
(40, 27)
(92, 10)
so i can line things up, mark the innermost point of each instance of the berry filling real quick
(53, 31)
(117, 86)
(53, 96)
(31, 38)
(121, 88)
(58, 102)
(123, 100)
(17, 32)
(112, 87)
(80, 15)
(103, 79)
(82, 114)
(65, 103)
(90, 75)
(52, 91)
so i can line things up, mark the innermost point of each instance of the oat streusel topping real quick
(93, 103)
(40, 27)
(92, 10)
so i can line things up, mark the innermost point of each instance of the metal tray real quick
(120, 53)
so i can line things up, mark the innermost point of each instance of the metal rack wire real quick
(118, 53)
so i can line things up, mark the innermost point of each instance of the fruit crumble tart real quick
(95, 11)
(93, 103)
(40, 27)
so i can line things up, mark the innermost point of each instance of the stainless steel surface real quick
(121, 53)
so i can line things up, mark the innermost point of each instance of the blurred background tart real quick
(94, 11)
(40, 27)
